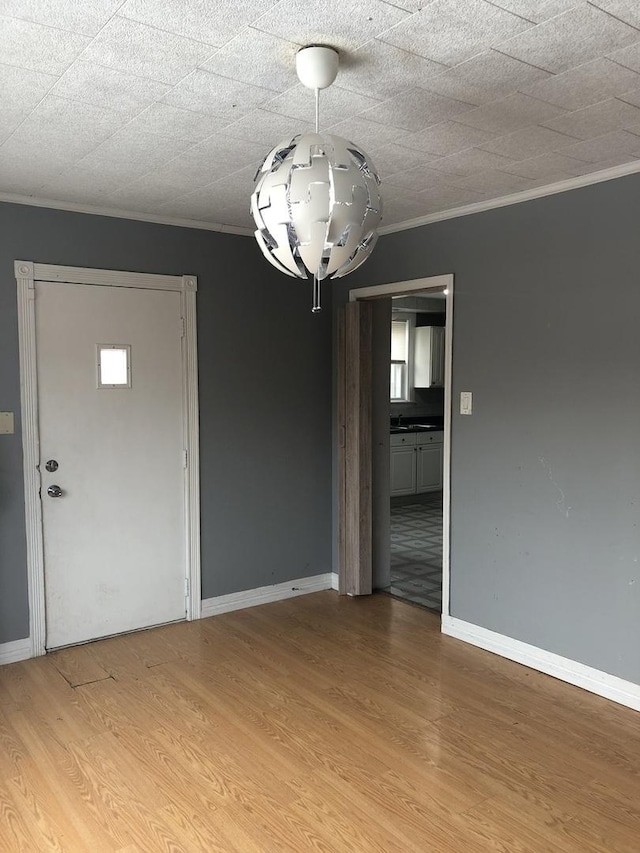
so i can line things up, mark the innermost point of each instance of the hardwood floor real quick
(315, 724)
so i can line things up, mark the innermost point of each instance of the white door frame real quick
(436, 282)
(27, 273)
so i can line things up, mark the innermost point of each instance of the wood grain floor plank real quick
(315, 724)
(77, 665)
(197, 830)
(344, 802)
(16, 833)
(53, 827)
(523, 823)
(12, 751)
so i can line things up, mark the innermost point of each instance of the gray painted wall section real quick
(546, 472)
(265, 397)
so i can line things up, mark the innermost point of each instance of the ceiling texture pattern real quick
(167, 107)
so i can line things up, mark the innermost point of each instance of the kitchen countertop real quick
(425, 425)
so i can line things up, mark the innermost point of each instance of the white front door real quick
(110, 398)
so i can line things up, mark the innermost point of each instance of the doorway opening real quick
(410, 391)
(416, 398)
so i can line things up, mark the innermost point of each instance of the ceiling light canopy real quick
(316, 202)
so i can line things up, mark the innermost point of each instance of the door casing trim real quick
(27, 273)
(437, 282)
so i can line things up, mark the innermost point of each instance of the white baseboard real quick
(609, 686)
(265, 594)
(21, 649)
(15, 651)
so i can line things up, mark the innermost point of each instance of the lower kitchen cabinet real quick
(403, 470)
(416, 463)
(428, 467)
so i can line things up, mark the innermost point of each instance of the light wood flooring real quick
(314, 724)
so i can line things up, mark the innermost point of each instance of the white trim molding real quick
(191, 420)
(434, 282)
(116, 213)
(27, 274)
(266, 594)
(466, 210)
(516, 198)
(609, 686)
(108, 278)
(24, 271)
(15, 651)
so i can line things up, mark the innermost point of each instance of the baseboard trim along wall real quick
(265, 594)
(609, 686)
(15, 651)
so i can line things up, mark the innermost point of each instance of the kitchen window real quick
(400, 340)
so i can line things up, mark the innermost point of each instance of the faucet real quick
(400, 419)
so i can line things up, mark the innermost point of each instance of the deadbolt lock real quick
(51, 466)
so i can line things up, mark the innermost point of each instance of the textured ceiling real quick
(166, 107)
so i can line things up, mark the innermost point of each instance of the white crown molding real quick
(594, 680)
(15, 651)
(453, 213)
(265, 594)
(125, 214)
(515, 198)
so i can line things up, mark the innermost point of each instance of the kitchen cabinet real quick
(429, 458)
(429, 357)
(416, 462)
(403, 470)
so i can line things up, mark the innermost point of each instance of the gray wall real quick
(265, 397)
(546, 472)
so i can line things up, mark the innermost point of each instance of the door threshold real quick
(49, 649)
(420, 604)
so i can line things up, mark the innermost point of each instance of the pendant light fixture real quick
(316, 202)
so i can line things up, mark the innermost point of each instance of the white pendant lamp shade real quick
(316, 202)
(316, 206)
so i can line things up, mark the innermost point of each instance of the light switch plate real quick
(6, 423)
(466, 402)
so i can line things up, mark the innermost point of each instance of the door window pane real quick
(114, 369)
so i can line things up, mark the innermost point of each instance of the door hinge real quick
(182, 327)
(187, 588)
(185, 458)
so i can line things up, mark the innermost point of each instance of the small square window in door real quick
(114, 365)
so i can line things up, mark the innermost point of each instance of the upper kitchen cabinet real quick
(429, 357)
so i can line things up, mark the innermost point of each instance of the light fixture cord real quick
(316, 281)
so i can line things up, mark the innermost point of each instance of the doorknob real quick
(54, 492)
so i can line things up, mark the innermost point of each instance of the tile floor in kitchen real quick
(416, 549)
